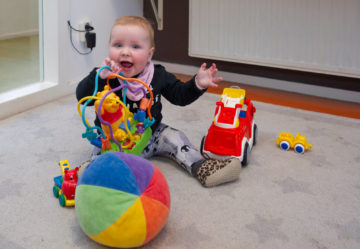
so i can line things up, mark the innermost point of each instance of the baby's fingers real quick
(213, 84)
(117, 70)
(217, 79)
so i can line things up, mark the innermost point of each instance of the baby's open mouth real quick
(126, 64)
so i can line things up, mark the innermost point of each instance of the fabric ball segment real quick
(122, 200)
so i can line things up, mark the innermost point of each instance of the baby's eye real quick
(136, 46)
(117, 45)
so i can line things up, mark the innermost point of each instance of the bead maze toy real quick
(287, 141)
(120, 129)
(233, 132)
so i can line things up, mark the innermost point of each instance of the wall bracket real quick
(158, 12)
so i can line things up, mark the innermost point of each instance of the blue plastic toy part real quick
(148, 123)
(122, 125)
(299, 148)
(88, 101)
(140, 116)
(89, 134)
(57, 186)
(96, 142)
(242, 114)
(284, 145)
(58, 181)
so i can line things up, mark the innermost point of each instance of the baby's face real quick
(130, 46)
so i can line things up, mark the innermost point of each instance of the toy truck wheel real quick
(56, 191)
(202, 146)
(299, 148)
(62, 200)
(255, 133)
(246, 156)
(284, 145)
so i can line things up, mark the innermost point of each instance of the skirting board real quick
(24, 98)
(319, 91)
(19, 34)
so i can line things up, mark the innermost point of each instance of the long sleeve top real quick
(163, 84)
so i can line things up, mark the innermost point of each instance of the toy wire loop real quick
(134, 79)
(89, 128)
(91, 135)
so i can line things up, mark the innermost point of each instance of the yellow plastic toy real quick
(287, 141)
(227, 114)
(64, 165)
(232, 96)
(113, 112)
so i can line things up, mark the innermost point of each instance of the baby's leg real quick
(169, 142)
(172, 143)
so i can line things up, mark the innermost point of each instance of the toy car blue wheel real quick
(299, 148)
(56, 191)
(284, 145)
(62, 200)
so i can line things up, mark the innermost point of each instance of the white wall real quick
(17, 18)
(63, 66)
(102, 15)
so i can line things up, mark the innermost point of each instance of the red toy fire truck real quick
(233, 132)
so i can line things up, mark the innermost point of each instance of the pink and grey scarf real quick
(134, 91)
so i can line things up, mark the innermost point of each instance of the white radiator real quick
(309, 35)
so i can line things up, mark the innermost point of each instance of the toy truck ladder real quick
(64, 165)
(228, 111)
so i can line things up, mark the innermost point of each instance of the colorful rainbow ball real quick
(122, 200)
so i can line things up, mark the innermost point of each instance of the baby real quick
(130, 52)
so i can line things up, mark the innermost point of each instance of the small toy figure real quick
(65, 185)
(113, 113)
(141, 114)
(287, 141)
(233, 131)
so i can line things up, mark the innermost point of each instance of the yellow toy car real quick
(287, 141)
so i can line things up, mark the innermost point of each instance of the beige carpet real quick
(283, 200)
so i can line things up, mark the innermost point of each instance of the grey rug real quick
(282, 200)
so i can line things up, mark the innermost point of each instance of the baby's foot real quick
(214, 172)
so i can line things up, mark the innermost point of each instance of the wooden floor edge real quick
(290, 99)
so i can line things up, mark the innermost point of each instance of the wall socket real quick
(81, 26)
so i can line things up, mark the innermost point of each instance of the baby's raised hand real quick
(207, 77)
(114, 68)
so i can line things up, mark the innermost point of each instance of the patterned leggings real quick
(169, 142)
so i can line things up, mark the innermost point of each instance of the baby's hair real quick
(138, 21)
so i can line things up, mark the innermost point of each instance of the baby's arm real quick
(207, 77)
(115, 68)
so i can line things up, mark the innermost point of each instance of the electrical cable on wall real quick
(89, 36)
